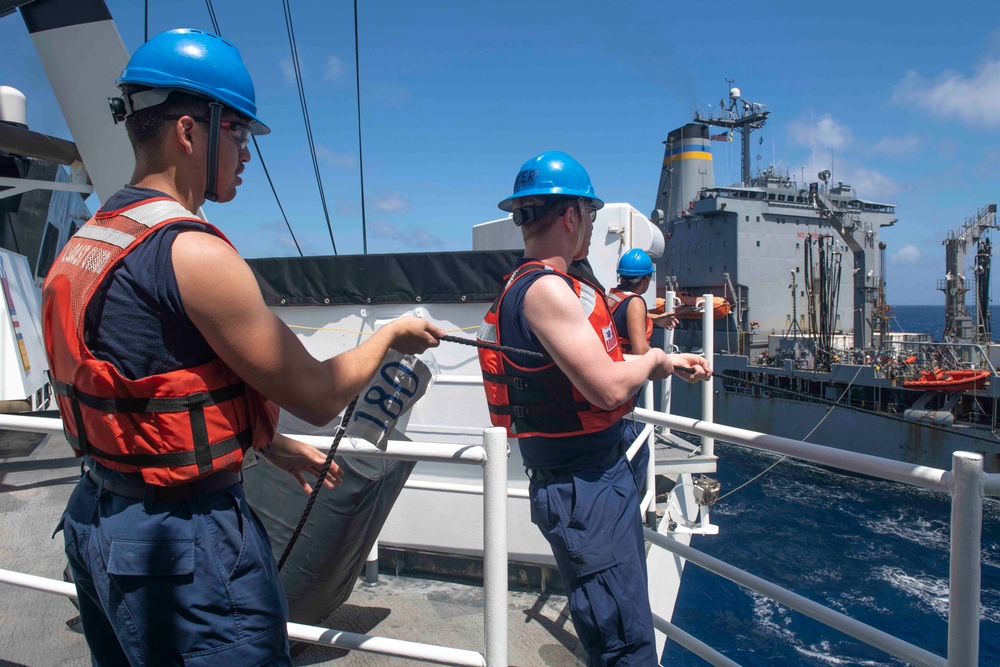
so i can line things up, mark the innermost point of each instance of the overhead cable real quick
(305, 116)
(361, 154)
(260, 156)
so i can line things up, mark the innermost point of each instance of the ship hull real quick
(867, 432)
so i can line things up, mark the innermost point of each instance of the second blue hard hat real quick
(197, 62)
(635, 263)
(552, 173)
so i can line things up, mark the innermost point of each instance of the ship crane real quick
(845, 225)
(958, 326)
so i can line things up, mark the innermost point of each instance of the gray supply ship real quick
(798, 270)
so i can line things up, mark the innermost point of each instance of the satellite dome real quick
(13, 107)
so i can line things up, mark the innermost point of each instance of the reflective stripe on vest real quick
(541, 401)
(616, 298)
(173, 427)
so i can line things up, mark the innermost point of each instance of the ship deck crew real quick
(168, 366)
(567, 409)
(632, 320)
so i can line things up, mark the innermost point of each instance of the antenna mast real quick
(741, 116)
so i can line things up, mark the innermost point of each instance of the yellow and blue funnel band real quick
(690, 149)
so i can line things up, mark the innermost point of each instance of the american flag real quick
(609, 338)
(725, 136)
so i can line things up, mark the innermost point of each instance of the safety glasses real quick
(586, 208)
(238, 132)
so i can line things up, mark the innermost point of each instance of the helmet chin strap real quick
(581, 235)
(212, 168)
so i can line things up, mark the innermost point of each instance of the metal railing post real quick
(668, 347)
(708, 388)
(495, 546)
(965, 567)
(371, 566)
(647, 402)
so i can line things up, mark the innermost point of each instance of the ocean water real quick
(930, 319)
(876, 551)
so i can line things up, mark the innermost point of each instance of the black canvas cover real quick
(420, 277)
(442, 277)
(330, 553)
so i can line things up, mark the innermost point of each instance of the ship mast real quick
(740, 116)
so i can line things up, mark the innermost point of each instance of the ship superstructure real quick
(802, 266)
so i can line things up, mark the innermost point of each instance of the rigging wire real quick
(145, 23)
(211, 15)
(281, 208)
(305, 116)
(361, 154)
(260, 156)
(771, 467)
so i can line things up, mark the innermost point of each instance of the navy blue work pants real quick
(592, 521)
(183, 583)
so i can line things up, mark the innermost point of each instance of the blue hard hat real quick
(197, 62)
(635, 263)
(552, 173)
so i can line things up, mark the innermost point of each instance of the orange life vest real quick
(172, 427)
(616, 299)
(541, 400)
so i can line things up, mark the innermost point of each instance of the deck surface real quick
(35, 483)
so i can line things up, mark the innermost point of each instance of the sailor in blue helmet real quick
(632, 320)
(567, 409)
(168, 367)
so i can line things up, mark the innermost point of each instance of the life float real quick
(941, 380)
(690, 307)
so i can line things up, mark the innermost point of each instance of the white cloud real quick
(392, 203)
(339, 160)
(334, 68)
(287, 70)
(970, 99)
(902, 145)
(871, 184)
(908, 254)
(417, 237)
(826, 133)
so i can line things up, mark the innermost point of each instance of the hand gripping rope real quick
(343, 429)
(319, 481)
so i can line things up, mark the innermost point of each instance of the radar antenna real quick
(741, 116)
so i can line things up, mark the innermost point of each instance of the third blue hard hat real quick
(551, 173)
(197, 62)
(635, 263)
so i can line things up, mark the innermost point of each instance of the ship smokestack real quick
(687, 169)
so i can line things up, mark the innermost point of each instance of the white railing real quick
(491, 455)
(966, 483)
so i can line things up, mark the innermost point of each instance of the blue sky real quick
(903, 98)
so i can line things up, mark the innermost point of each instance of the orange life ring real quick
(690, 307)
